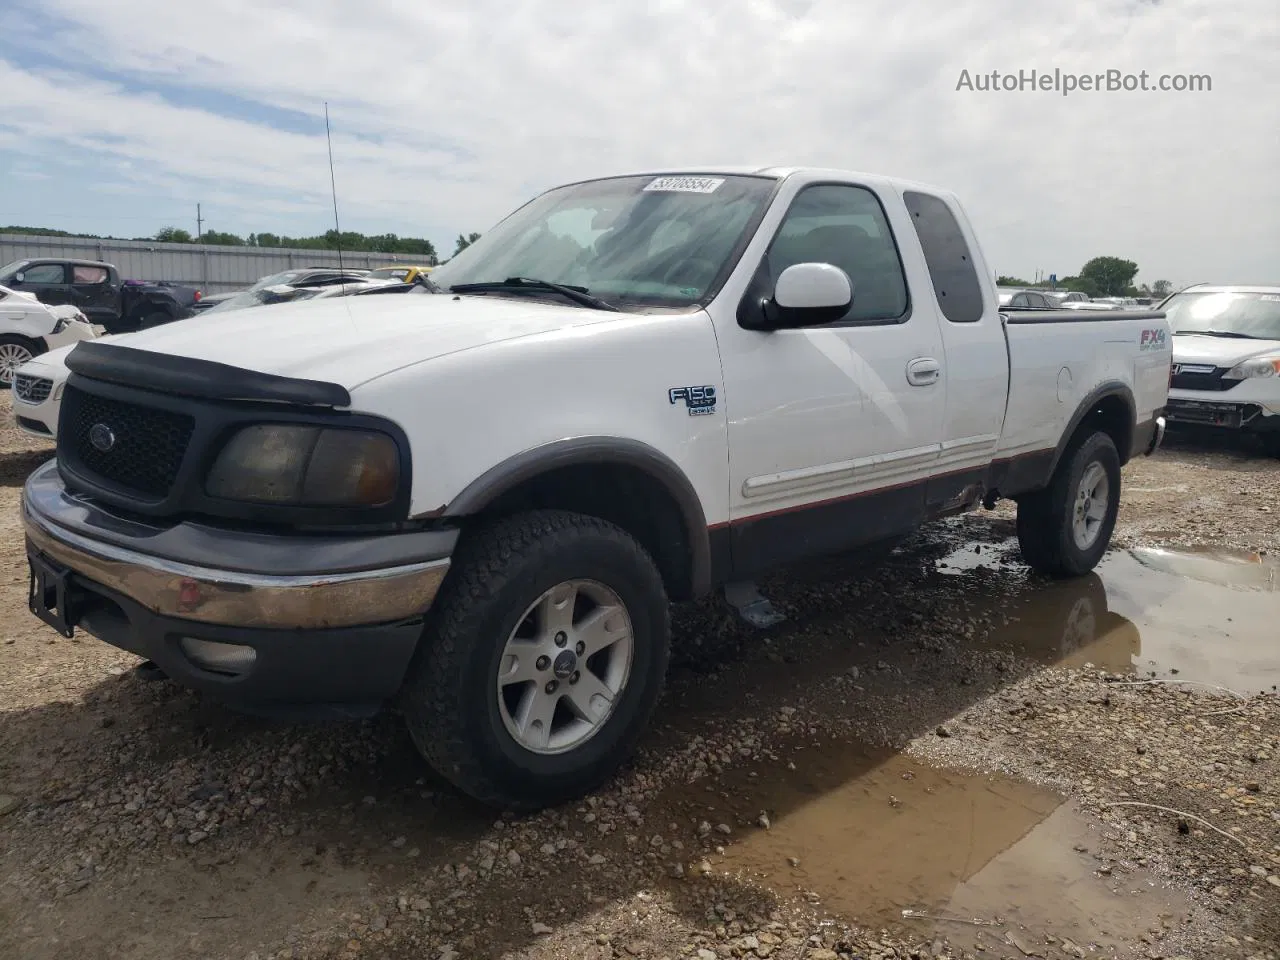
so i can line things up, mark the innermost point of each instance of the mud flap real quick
(752, 605)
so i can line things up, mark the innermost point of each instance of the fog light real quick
(230, 659)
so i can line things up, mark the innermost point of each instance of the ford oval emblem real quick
(101, 437)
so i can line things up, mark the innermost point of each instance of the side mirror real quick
(20, 276)
(809, 293)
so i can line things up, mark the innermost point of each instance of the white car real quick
(1226, 359)
(29, 328)
(1067, 296)
(1090, 305)
(37, 391)
(476, 498)
(38, 383)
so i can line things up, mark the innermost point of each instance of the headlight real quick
(1257, 367)
(296, 465)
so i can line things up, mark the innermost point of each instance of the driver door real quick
(833, 429)
(48, 281)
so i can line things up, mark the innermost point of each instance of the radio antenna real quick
(333, 186)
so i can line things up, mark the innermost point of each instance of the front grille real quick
(138, 448)
(31, 389)
(1203, 377)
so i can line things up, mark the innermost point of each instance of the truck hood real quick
(1220, 351)
(351, 340)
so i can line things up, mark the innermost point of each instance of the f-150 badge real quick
(700, 400)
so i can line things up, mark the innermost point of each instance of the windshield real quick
(276, 279)
(264, 297)
(631, 241)
(1255, 315)
(9, 269)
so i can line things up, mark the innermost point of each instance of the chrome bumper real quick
(232, 598)
(1158, 437)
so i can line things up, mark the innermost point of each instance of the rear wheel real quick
(1065, 529)
(14, 352)
(543, 661)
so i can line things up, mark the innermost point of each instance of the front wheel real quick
(1065, 529)
(14, 352)
(542, 662)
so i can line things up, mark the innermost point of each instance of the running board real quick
(752, 605)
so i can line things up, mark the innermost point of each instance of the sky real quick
(118, 118)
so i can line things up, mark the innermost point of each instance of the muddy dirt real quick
(935, 755)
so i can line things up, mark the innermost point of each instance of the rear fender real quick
(1113, 388)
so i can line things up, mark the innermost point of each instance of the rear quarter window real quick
(947, 254)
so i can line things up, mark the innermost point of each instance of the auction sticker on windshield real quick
(685, 184)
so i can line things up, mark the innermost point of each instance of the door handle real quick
(923, 371)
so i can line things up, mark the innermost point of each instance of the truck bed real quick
(1053, 369)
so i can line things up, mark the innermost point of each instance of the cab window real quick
(85, 274)
(844, 226)
(948, 257)
(44, 273)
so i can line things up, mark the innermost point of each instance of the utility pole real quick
(199, 224)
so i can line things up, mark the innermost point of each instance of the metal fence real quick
(213, 269)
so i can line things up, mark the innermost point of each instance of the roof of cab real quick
(777, 172)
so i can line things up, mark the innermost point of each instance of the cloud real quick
(447, 116)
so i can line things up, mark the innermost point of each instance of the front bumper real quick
(73, 332)
(257, 618)
(1245, 416)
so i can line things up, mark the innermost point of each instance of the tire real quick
(1047, 530)
(467, 730)
(14, 352)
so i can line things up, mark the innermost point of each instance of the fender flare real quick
(596, 451)
(1111, 388)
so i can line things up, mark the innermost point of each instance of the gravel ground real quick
(799, 792)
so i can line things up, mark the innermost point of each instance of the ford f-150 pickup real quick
(476, 502)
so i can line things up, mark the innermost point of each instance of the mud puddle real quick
(887, 841)
(1204, 616)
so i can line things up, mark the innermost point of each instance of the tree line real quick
(1103, 277)
(347, 240)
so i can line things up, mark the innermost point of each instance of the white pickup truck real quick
(477, 501)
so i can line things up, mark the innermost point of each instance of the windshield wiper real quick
(578, 295)
(1216, 333)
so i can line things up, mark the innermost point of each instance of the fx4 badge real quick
(1152, 339)
(700, 400)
